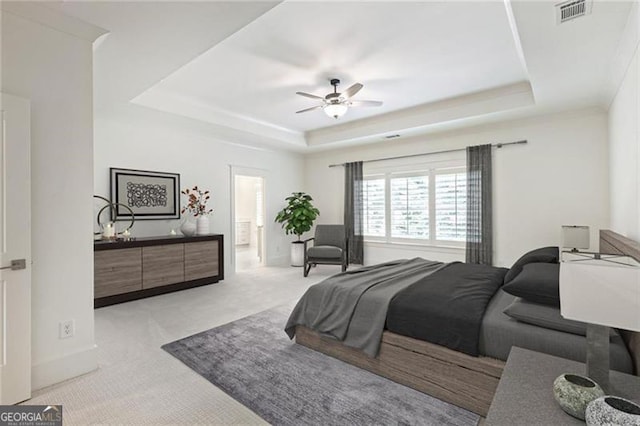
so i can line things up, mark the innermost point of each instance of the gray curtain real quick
(353, 210)
(479, 248)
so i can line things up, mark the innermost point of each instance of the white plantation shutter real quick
(427, 206)
(451, 206)
(409, 207)
(373, 214)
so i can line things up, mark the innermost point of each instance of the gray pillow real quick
(541, 255)
(538, 283)
(545, 316)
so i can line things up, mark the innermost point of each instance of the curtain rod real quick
(497, 145)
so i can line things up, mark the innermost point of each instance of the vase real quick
(188, 228)
(612, 410)
(297, 253)
(574, 393)
(202, 225)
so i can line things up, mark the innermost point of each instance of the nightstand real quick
(525, 397)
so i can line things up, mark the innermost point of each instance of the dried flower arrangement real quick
(196, 201)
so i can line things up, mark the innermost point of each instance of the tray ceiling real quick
(237, 65)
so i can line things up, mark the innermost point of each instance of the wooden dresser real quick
(129, 270)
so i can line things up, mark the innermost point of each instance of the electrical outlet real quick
(66, 329)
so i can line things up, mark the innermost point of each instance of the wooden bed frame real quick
(466, 381)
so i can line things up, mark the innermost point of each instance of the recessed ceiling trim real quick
(422, 116)
(186, 127)
(516, 37)
(187, 107)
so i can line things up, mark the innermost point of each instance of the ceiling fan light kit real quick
(337, 104)
(335, 110)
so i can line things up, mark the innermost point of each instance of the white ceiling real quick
(149, 40)
(405, 54)
(238, 64)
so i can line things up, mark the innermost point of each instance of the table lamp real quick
(575, 237)
(603, 291)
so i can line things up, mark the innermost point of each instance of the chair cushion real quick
(324, 252)
(330, 235)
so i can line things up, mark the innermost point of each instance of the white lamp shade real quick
(335, 110)
(601, 292)
(575, 237)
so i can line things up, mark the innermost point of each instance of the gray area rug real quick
(254, 362)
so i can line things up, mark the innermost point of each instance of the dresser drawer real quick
(117, 271)
(201, 260)
(162, 265)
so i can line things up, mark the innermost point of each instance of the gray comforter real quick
(352, 306)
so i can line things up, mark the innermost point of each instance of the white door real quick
(15, 251)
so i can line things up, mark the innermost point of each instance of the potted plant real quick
(197, 204)
(297, 218)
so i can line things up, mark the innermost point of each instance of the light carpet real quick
(253, 361)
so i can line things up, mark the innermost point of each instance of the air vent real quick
(392, 136)
(572, 9)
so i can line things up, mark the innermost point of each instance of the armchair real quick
(330, 247)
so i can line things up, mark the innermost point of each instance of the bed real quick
(462, 377)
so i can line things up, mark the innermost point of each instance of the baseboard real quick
(57, 370)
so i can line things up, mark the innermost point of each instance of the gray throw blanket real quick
(352, 306)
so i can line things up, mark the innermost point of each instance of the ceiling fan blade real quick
(352, 90)
(365, 103)
(309, 109)
(309, 95)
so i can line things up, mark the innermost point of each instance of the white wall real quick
(624, 139)
(144, 139)
(559, 177)
(54, 70)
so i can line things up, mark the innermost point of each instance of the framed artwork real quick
(150, 195)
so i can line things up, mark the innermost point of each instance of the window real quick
(451, 206)
(421, 207)
(373, 195)
(409, 202)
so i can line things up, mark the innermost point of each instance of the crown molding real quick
(48, 16)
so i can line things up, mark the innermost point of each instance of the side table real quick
(525, 396)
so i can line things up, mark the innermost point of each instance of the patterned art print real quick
(151, 195)
(145, 195)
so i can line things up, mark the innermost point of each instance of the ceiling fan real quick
(336, 104)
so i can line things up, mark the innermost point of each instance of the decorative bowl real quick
(574, 393)
(612, 410)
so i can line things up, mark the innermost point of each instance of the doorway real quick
(249, 213)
